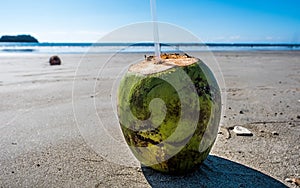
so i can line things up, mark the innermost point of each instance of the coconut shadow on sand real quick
(214, 172)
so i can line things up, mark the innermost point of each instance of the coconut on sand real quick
(169, 111)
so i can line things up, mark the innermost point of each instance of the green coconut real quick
(169, 112)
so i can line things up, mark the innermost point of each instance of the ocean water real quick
(77, 48)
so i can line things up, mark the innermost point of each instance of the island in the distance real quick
(18, 38)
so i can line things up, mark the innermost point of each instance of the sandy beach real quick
(42, 144)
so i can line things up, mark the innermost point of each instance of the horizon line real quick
(263, 43)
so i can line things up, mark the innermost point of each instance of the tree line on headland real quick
(18, 38)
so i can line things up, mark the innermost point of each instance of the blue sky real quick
(210, 20)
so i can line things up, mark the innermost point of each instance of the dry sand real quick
(42, 146)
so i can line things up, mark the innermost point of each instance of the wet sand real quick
(42, 145)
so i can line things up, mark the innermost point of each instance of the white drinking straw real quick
(155, 29)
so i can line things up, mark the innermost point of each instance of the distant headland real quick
(18, 38)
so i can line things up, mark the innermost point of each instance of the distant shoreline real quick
(209, 44)
(77, 48)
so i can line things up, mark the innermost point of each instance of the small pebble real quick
(242, 131)
(275, 133)
(298, 117)
(289, 180)
(38, 165)
(293, 180)
(229, 108)
(241, 112)
(280, 113)
(139, 169)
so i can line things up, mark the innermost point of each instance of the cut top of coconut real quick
(150, 65)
